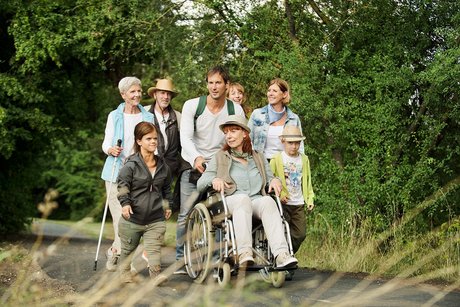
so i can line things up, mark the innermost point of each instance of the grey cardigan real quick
(219, 167)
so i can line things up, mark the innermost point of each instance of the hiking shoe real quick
(285, 260)
(126, 277)
(112, 260)
(245, 259)
(155, 273)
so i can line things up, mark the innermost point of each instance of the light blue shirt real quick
(247, 178)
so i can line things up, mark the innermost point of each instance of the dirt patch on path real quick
(22, 278)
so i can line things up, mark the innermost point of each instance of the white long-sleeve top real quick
(129, 123)
(208, 138)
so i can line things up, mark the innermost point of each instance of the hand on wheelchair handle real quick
(219, 184)
(200, 164)
(275, 186)
(284, 200)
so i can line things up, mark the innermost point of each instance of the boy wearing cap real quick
(293, 168)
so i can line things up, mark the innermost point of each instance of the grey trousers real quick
(130, 236)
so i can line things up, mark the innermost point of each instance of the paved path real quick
(72, 259)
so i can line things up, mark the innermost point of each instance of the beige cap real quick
(236, 120)
(291, 134)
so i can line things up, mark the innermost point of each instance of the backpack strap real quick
(202, 105)
(199, 109)
(230, 107)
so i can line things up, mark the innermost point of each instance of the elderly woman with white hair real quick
(120, 126)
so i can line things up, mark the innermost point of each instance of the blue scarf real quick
(274, 116)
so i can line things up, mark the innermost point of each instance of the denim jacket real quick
(259, 123)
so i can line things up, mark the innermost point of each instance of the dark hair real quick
(222, 71)
(247, 146)
(140, 130)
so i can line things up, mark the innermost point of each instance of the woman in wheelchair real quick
(243, 175)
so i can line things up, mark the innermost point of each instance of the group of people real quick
(211, 143)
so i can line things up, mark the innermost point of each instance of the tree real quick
(374, 82)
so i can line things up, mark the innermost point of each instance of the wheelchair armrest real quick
(210, 190)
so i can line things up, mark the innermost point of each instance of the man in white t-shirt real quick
(200, 139)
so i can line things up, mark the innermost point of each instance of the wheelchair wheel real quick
(278, 278)
(199, 243)
(224, 274)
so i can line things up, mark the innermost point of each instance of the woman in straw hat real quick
(267, 123)
(242, 174)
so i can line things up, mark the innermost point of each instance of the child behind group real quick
(237, 94)
(293, 168)
(142, 183)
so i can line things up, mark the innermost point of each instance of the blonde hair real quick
(238, 87)
(284, 87)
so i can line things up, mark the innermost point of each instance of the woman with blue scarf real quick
(120, 126)
(267, 123)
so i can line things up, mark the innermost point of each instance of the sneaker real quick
(180, 265)
(285, 260)
(112, 260)
(245, 259)
(181, 271)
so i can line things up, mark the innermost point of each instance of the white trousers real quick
(115, 211)
(263, 208)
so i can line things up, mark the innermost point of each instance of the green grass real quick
(397, 252)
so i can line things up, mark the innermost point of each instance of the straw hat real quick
(163, 85)
(236, 120)
(291, 134)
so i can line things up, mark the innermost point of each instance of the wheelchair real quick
(210, 244)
